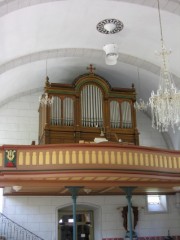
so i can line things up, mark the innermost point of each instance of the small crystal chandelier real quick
(44, 99)
(165, 104)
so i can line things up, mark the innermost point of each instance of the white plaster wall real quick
(149, 136)
(19, 122)
(39, 215)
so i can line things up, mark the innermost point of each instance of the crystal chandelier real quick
(44, 99)
(165, 104)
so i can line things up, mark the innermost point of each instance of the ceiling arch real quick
(12, 5)
(74, 52)
(46, 55)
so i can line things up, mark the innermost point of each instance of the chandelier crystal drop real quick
(165, 104)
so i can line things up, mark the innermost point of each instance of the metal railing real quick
(9, 230)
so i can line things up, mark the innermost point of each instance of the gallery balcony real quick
(100, 169)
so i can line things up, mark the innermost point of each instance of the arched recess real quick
(86, 207)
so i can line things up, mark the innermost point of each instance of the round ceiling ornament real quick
(110, 26)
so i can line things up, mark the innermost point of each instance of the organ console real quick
(88, 108)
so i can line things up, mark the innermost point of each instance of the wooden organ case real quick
(87, 109)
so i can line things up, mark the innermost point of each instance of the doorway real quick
(84, 225)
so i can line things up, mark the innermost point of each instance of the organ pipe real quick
(91, 102)
(115, 116)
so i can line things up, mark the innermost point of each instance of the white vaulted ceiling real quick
(64, 32)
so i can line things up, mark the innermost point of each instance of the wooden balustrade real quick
(86, 156)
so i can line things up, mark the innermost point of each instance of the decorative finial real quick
(47, 84)
(91, 68)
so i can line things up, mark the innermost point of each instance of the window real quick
(156, 203)
(153, 200)
(84, 225)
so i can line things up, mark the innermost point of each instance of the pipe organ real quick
(88, 108)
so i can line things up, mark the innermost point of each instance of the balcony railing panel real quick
(82, 156)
